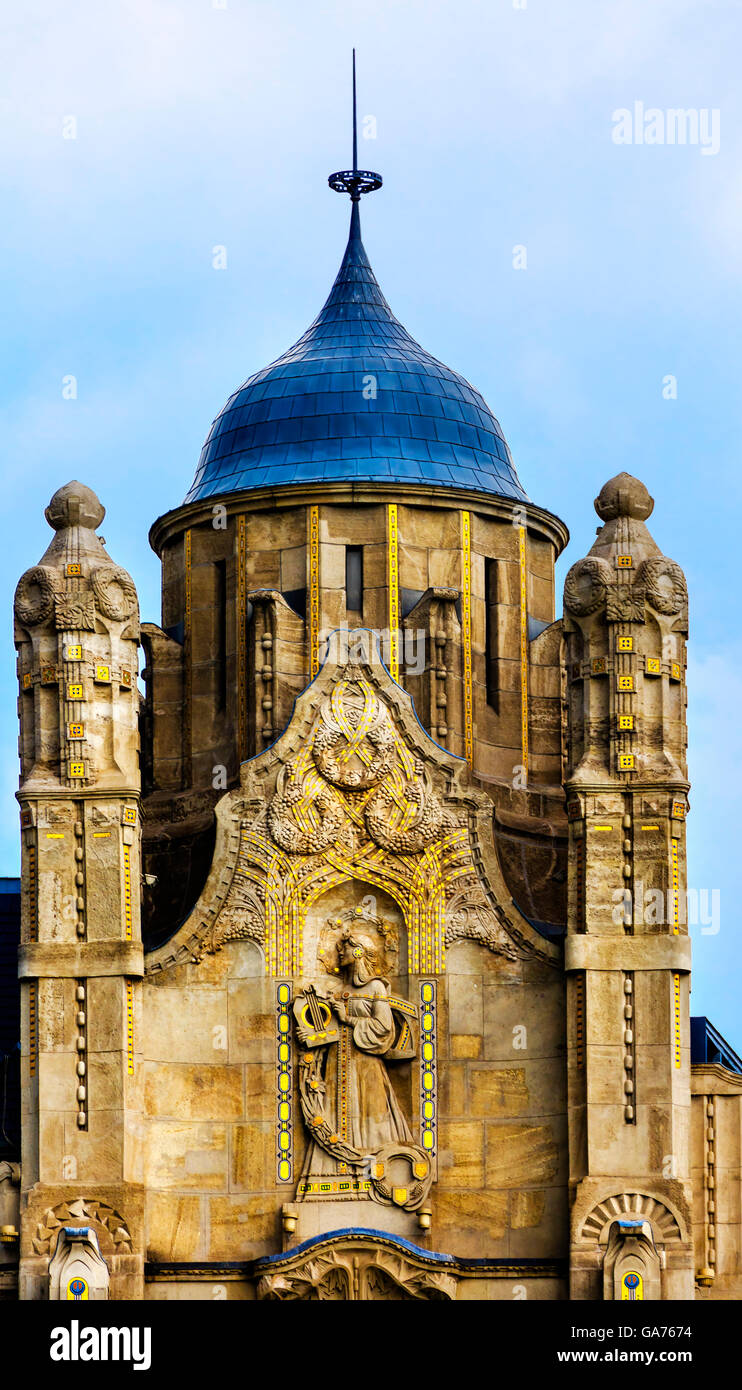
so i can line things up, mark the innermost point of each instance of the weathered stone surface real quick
(193, 1092)
(520, 1155)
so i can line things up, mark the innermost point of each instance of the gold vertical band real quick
(313, 592)
(127, 892)
(466, 623)
(284, 1127)
(676, 1020)
(33, 927)
(523, 648)
(580, 1019)
(129, 1027)
(241, 638)
(675, 886)
(429, 1070)
(33, 1029)
(393, 549)
(187, 727)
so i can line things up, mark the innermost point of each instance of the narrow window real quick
(490, 580)
(354, 581)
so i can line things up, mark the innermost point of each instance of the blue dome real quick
(312, 416)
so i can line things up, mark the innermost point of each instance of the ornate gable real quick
(354, 789)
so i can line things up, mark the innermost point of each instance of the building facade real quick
(354, 961)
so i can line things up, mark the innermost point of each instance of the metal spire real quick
(355, 181)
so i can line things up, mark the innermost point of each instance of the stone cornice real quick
(585, 952)
(706, 1076)
(90, 959)
(173, 523)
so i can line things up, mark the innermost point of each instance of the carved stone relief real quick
(111, 1228)
(354, 1273)
(354, 791)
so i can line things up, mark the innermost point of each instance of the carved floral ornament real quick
(592, 584)
(357, 1273)
(354, 790)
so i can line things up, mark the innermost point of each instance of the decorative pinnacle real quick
(355, 181)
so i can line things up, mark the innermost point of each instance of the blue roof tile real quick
(309, 415)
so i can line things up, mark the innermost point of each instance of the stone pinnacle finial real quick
(74, 505)
(624, 495)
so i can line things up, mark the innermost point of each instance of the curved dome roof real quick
(355, 399)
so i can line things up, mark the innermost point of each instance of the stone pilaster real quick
(627, 952)
(80, 962)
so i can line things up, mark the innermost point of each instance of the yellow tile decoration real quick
(129, 815)
(242, 637)
(73, 569)
(466, 637)
(27, 680)
(127, 892)
(73, 652)
(625, 721)
(678, 810)
(675, 886)
(677, 1032)
(393, 579)
(284, 1084)
(75, 692)
(523, 648)
(103, 674)
(580, 1020)
(626, 762)
(653, 666)
(188, 579)
(675, 671)
(313, 591)
(77, 769)
(428, 1068)
(624, 562)
(625, 682)
(334, 1187)
(624, 644)
(33, 1028)
(33, 900)
(75, 731)
(187, 613)
(129, 1028)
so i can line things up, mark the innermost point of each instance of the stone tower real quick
(77, 633)
(406, 1012)
(627, 951)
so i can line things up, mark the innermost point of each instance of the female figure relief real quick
(348, 1101)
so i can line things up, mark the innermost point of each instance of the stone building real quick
(354, 961)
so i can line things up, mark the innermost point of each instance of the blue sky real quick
(199, 126)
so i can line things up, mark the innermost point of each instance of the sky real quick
(139, 135)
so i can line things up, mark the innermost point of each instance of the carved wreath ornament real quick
(591, 584)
